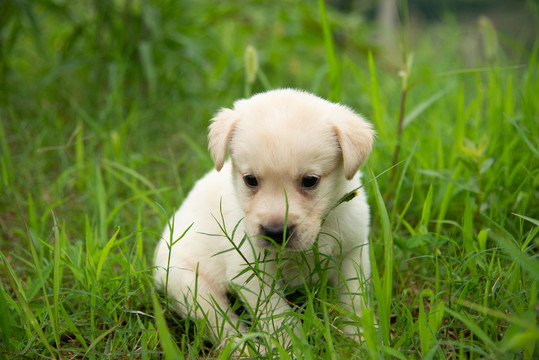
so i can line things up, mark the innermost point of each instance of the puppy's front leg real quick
(352, 285)
(260, 292)
(201, 298)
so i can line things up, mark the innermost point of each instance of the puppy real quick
(293, 156)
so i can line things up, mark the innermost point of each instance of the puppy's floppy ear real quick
(221, 128)
(355, 137)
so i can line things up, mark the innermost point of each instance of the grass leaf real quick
(170, 348)
(422, 106)
(331, 55)
(384, 290)
(475, 329)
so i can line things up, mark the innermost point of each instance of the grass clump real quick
(103, 109)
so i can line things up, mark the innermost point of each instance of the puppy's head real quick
(292, 154)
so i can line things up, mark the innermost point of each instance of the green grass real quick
(104, 108)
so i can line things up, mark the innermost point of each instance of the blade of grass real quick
(144, 195)
(117, 170)
(531, 220)
(467, 235)
(131, 172)
(251, 69)
(103, 254)
(397, 193)
(527, 263)
(57, 276)
(459, 130)
(101, 336)
(41, 281)
(424, 105)
(101, 201)
(71, 326)
(331, 56)
(375, 99)
(393, 353)
(170, 348)
(6, 331)
(448, 195)
(369, 329)
(475, 329)
(327, 331)
(148, 65)
(425, 214)
(526, 140)
(89, 271)
(470, 71)
(25, 306)
(384, 291)
(7, 168)
(80, 159)
(429, 324)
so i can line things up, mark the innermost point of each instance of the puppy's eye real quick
(250, 181)
(309, 182)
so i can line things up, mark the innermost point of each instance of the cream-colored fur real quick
(292, 157)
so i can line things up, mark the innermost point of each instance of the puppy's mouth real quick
(277, 236)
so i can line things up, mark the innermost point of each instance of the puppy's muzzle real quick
(277, 232)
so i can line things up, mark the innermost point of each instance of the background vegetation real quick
(103, 114)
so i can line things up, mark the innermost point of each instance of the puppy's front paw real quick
(354, 332)
(242, 347)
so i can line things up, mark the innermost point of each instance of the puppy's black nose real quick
(276, 232)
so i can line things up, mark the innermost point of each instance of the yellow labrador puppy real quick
(293, 156)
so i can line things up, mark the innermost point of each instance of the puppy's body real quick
(293, 156)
